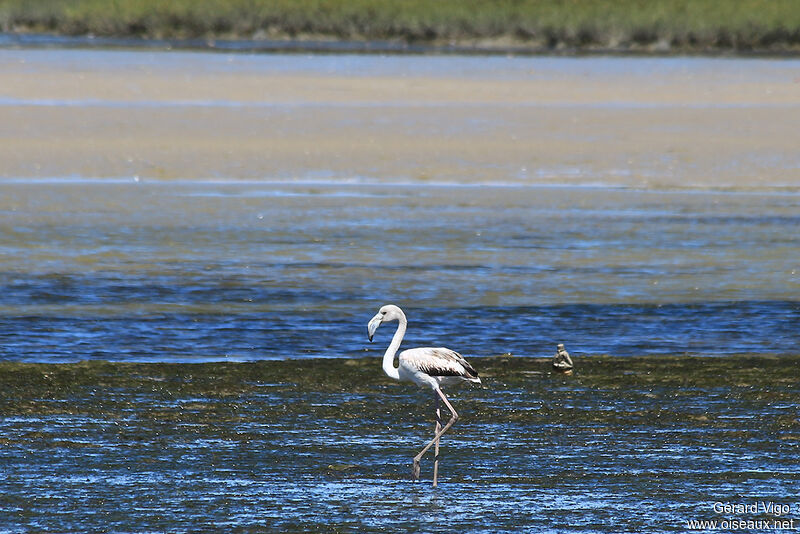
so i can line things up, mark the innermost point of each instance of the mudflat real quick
(641, 122)
(302, 445)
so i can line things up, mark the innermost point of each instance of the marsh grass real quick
(627, 24)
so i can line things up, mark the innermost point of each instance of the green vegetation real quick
(691, 25)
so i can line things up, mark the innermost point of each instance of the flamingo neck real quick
(388, 357)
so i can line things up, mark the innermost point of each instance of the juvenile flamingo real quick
(427, 367)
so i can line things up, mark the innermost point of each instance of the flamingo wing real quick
(438, 361)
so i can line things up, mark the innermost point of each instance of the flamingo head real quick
(390, 312)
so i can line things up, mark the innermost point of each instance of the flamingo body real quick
(435, 367)
(425, 366)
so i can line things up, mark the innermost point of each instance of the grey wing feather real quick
(439, 362)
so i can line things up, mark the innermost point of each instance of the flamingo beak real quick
(373, 325)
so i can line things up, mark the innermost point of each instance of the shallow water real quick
(625, 445)
(191, 246)
(204, 271)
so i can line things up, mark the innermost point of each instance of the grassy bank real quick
(677, 25)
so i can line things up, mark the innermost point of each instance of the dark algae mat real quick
(625, 444)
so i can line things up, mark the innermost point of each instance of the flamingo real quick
(427, 367)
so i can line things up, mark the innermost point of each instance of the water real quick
(210, 272)
(625, 445)
(188, 269)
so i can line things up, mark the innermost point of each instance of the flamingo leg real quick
(436, 446)
(435, 440)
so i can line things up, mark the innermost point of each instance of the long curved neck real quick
(388, 357)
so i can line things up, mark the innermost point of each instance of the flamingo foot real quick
(415, 470)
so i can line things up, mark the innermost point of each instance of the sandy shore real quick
(634, 122)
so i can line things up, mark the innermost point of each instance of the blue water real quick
(212, 272)
(765, 327)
